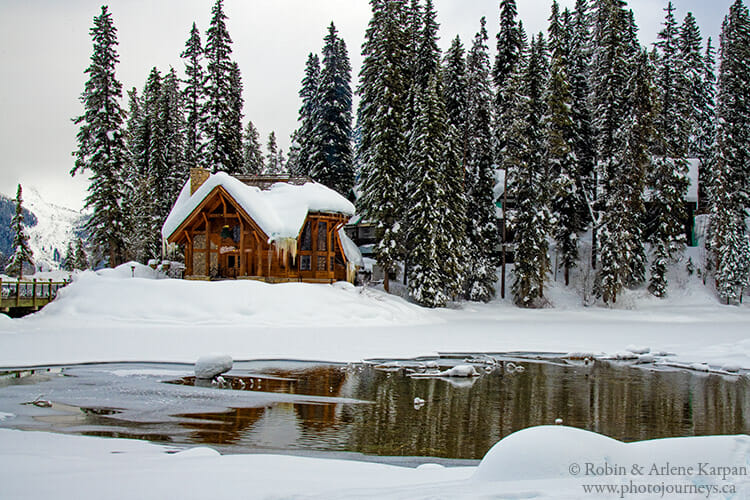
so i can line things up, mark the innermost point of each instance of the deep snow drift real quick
(540, 462)
(112, 316)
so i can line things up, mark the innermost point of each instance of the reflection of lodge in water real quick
(464, 421)
(230, 427)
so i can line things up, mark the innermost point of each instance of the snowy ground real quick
(112, 316)
(541, 462)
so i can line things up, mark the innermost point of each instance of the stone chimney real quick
(197, 177)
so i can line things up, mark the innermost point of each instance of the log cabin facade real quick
(275, 229)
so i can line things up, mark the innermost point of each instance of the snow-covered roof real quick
(279, 211)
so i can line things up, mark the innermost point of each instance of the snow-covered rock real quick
(211, 365)
(460, 371)
(638, 349)
(200, 452)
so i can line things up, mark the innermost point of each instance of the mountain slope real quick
(50, 227)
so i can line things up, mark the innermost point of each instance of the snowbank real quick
(113, 296)
(542, 462)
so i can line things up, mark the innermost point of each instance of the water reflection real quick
(465, 420)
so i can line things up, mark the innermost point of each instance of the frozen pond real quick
(377, 408)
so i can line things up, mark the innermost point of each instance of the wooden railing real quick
(28, 293)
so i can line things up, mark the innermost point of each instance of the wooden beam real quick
(242, 257)
(208, 244)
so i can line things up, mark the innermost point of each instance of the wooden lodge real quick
(271, 228)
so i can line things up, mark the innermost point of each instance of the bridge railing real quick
(29, 293)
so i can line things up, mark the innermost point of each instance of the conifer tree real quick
(101, 144)
(222, 128)
(568, 202)
(332, 161)
(455, 90)
(173, 124)
(193, 96)
(81, 260)
(532, 217)
(307, 115)
(480, 175)
(690, 46)
(579, 74)
(252, 156)
(730, 190)
(382, 149)
(429, 237)
(706, 128)
(272, 165)
(668, 179)
(22, 254)
(69, 260)
(510, 46)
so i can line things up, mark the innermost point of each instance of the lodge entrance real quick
(229, 266)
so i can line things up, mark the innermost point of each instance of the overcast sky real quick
(45, 48)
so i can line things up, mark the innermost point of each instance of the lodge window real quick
(304, 263)
(306, 245)
(321, 263)
(322, 237)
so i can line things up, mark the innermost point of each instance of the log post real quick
(33, 294)
(18, 292)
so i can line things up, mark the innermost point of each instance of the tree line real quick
(586, 130)
(591, 130)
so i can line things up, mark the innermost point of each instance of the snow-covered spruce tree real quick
(429, 237)
(730, 190)
(193, 96)
(332, 162)
(482, 233)
(68, 263)
(222, 128)
(568, 202)
(307, 115)
(531, 187)
(510, 47)
(584, 145)
(252, 156)
(668, 177)
(382, 150)
(690, 45)
(272, 164)
(22, 254)
(101, 145)
(621, 87)
(81, 260)
(706, 128)
(455, 97)
(173, 123)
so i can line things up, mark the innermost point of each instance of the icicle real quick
(284, 247)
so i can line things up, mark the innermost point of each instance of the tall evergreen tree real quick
(532, 217)
(272, 165)
(568, 200)
(222, 128)
(173, 123)
(22, 254)
(332, 160)
(690, 44)
(429, 237)
(252, 156)
(480, 174)
(668, 179)
(307, 115)
(622, 97)
(730, 191)
(194, 95)
(382, 149)
(706, 127)
(101, 143)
